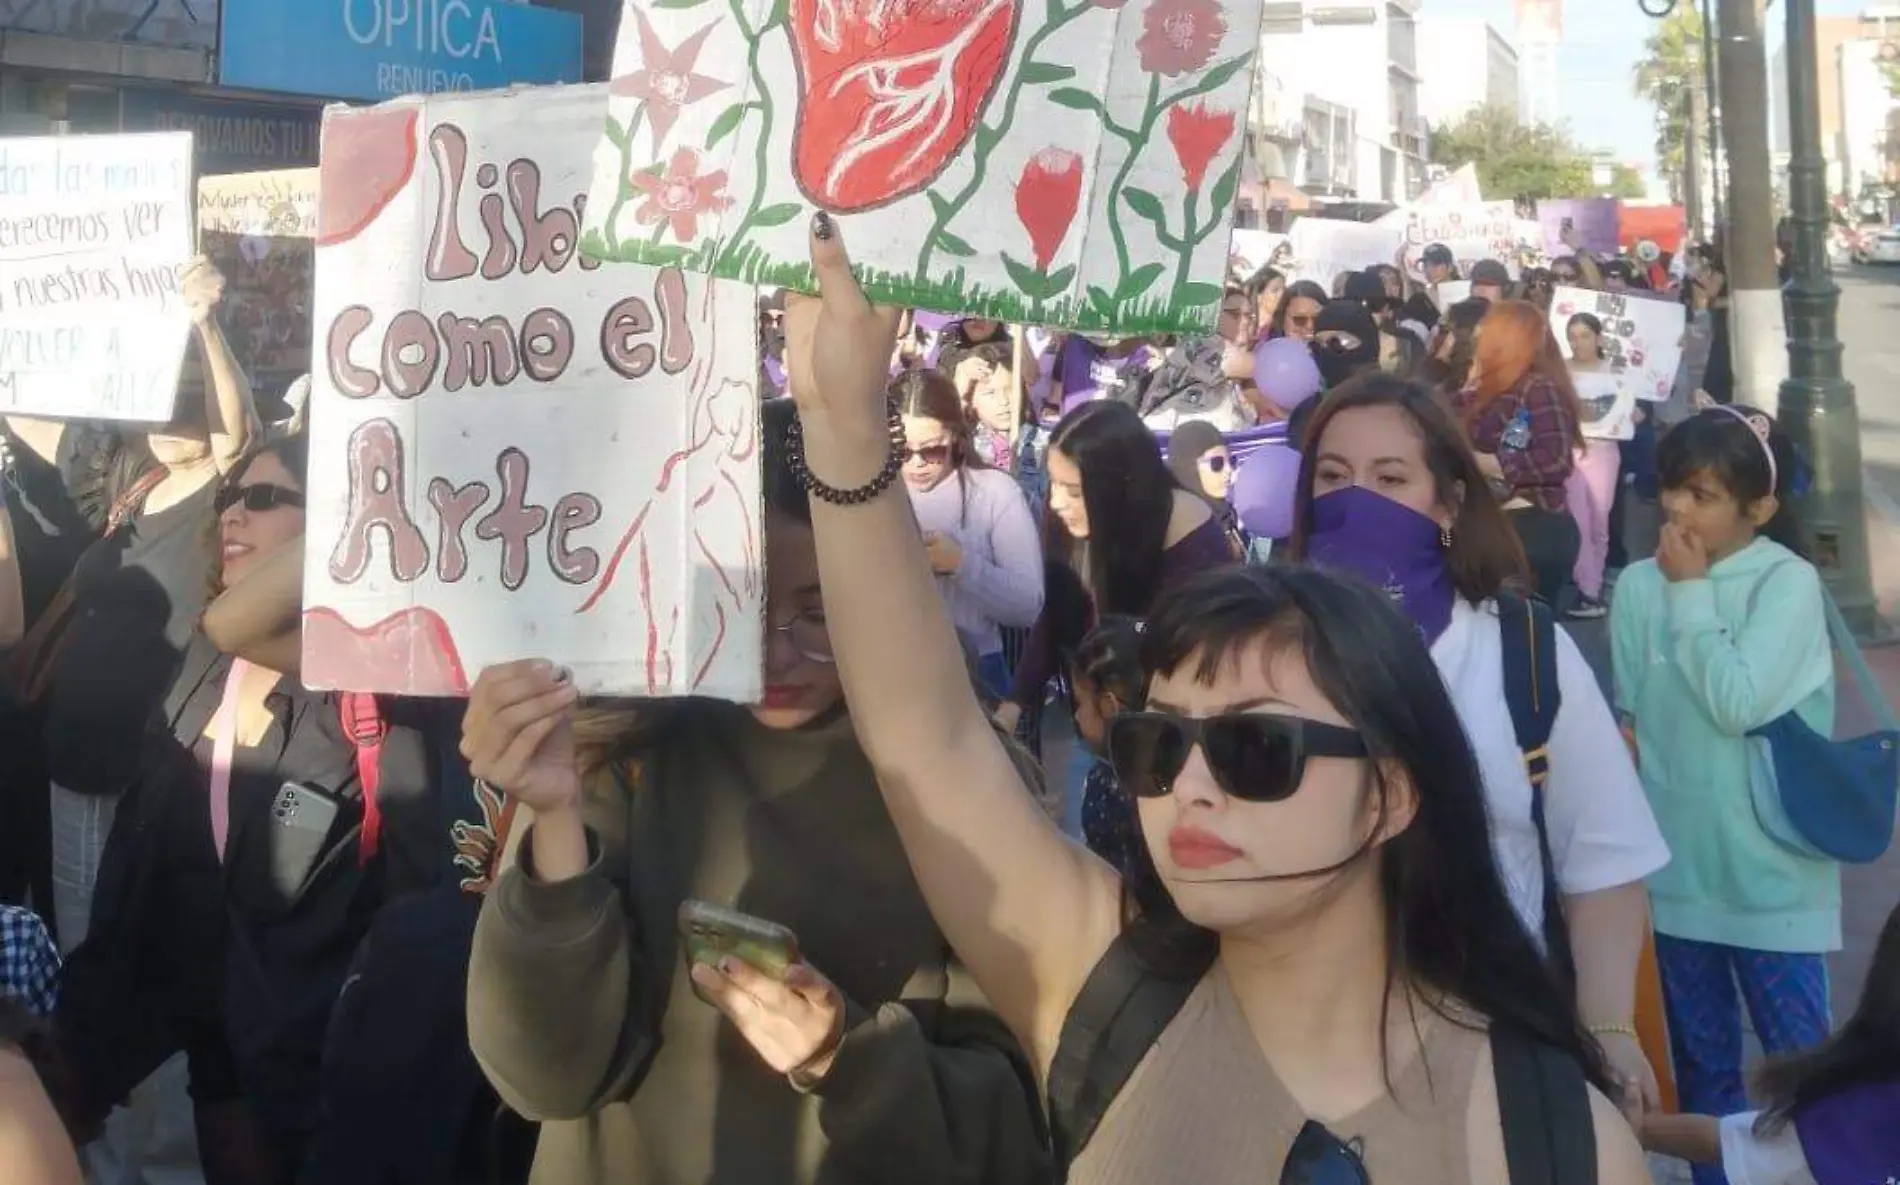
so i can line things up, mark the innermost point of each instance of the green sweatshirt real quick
(582, 1015)
(1698, 668)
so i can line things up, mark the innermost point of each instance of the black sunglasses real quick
(256, 498)
(1254, 757)
(1319, 1157)
(930, 454)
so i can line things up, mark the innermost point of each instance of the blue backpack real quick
(1819, 797)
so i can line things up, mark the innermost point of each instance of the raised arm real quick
(230, 413)
(1028, 912)
(258, 618)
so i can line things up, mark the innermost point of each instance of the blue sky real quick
(1602, 41)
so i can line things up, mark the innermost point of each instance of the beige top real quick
(1205, 1106)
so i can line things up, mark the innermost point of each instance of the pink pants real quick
(1591, 491)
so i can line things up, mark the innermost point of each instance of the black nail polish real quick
(822, 227)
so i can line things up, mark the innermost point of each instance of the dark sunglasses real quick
(1254, 757)
(930, 454)
(256, 498)
(1319, 1157)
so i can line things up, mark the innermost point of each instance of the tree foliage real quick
(1671, 63)
(1627, 183)
(1526, 162)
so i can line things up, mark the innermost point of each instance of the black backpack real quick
(1543, 1096)
(1528, 630)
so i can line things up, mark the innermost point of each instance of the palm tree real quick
(1672, 62)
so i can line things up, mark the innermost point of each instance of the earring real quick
(1444, 537)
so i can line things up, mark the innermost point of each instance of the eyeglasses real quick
(1254, 757)
(1319, 1157)
(256, 499)
(930, 454)
(808, 634)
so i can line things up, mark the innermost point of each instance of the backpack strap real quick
(363, 723)
(1121, 1011)
(1528, 631)
(1544, 1111)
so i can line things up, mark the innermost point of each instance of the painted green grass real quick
(950, 292)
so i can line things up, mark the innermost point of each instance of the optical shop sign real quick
(95, 233)
(378, 49)
(515, 452)
(1642, 336)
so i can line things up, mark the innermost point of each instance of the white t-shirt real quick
(1749, 1159)
(1602, 832)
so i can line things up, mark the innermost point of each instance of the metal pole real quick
(1817, 402)
(1756, 326)
(1716, 201)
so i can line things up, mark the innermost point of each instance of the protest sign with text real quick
(1473, 232)
(1594, 220)
(1642, 335)
(514, 451)
(260, 229)
(95, 234)
(1325, 247)
(1060, 162)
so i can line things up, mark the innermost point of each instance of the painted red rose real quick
(1198, 134)
(1180, 36)
(1047, 198)
(889, 91)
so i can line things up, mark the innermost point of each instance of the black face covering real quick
(1345, 342)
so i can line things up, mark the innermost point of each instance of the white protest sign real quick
(1255, 249)
(1451, 292)
(1473, 232)
(1609, 405)
(95, 233)
(1061, 162)
(515, 452)
(1325, 247)
(260, 229)
(1642, 336)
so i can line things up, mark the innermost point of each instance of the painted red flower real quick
(1180, 36)
(1198, 134)
(1047, 198)
(666, 81)
(679, 195)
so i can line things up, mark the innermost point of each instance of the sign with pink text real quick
(1641, 335)
(1060, 162)
(514, 451)
(1473, 231)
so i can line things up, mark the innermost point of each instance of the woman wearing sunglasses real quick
(977, 527)
(1319, 877)
(1298, 311)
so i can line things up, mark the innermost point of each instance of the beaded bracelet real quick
(801, 472)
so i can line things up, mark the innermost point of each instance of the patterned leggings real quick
(1786, 995)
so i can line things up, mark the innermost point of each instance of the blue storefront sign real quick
(378, 49)
(229, 137)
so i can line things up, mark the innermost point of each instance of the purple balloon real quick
(1285, 372)
(1263, 491)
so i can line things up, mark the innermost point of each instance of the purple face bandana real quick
(1392, 546)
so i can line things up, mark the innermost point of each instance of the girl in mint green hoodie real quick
(1721, 633)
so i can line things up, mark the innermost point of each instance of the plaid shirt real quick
(29, 962)
(1531, 430)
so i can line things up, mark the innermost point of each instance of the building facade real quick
(1337, 110)
(1467, 64)
(1856, 101)
(1538, 29)
(250, 77)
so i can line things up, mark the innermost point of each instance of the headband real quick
(1763, 431)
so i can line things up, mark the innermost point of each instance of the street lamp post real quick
(1817, 402)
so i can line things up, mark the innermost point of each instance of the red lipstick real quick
(1194, 849)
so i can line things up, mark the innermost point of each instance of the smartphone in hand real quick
(710, 933)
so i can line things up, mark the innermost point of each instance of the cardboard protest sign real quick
(1325, 247)
(515, 452)
(95, 233)
(1457, 188)
(1060, 162)
(1473, 232)
(261, 229)
(1642, 336)
(1255, 249)
(1593, 218)
(1609, 405)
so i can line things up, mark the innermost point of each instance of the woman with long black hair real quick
(1319, 911)
(1298, 311)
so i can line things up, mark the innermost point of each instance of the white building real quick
(1337, 108)
(1467, 64)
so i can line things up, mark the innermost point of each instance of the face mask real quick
(1336, 365)
(1393, 547)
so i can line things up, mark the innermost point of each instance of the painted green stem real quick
(1185, 244)
(980, 159)
(1149, 113)
(624, 189)
(761, 152)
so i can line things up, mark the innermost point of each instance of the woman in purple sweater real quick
(1120, 521)
(977, 528)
